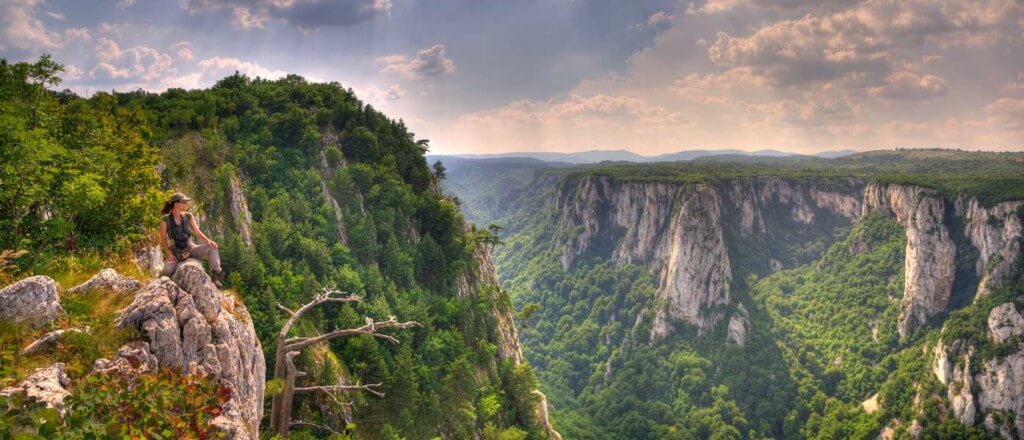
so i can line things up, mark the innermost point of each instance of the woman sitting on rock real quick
(176, 230)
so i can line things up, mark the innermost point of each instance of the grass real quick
(95, 309)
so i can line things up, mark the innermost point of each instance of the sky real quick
(654, 76)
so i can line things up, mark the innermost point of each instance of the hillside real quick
(773, 297)
(304, 187)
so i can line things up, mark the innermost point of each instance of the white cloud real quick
(246, 18)
(55, 15)
(432, 61)
(138, 64)
(72, 35)
(182, 51)
(219, 67)
(910, 86)
(659, 20)
(22, 30)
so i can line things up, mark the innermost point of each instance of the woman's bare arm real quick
(163, 241)
(199, 232)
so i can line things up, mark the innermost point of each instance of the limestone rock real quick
(33, 301)
(132, 358)
(996, 232)
(48, 341)
(961, 392)
(107, 279)
(698, 274)
(46, 385)
(150, 260)
(240, 211)
(1000, 387)
(188, 330)
(930, 256)
(1004, 322)
(542, 415)
(738, 325)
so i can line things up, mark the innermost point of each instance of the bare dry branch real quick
(368, 329)
(314, 425)
(330, 389)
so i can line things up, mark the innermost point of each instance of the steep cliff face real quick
(697, 275)
(997, 233)
(929, 268)
(994, 392)
(485, 281)
(240, 211)
(679, 230)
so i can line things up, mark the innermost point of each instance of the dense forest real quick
(81, 185)
(822, 356)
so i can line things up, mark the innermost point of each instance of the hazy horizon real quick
(566, 76)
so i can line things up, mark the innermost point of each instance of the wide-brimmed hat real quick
(178, 197)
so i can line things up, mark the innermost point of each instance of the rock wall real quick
(994, 394)
(191, 326)
(997, 233)
(697, 275)
(240, 211)
(930, 264)
(678, 230)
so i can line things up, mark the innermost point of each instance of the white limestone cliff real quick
(929, 265)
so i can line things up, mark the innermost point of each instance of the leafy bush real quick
(156, 406)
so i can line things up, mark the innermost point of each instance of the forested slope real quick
(738, 297)
(304, 187)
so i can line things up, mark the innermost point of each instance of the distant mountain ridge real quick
(595, 156)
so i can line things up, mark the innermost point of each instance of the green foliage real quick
(163, 406)
(81, 173)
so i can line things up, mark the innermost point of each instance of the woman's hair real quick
(168, 205)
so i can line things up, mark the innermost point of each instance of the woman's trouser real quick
(201, 251)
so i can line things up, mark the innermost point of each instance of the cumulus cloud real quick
(182, 51)
(659, 20)
(223, 66)
(22, 30)
(432, 61)
(862, 46)
(910, 86)
(138, 64)
(303, 14)
(1006, 113)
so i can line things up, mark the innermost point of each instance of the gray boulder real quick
(108, 279)
(33, 301)
(46, 385)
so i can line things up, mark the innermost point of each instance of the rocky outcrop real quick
(759, 198)
(107, 279)
(339, 216)
(46, 385)
(485, 281)
(192, 327)
(49, 340)
(929, 267)
(997, 234)
(33, 301)
(240, 211)
(150, 260)
(597, 206)
(994, 393)
(542, 415)
(697, 276)
(738, 325)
